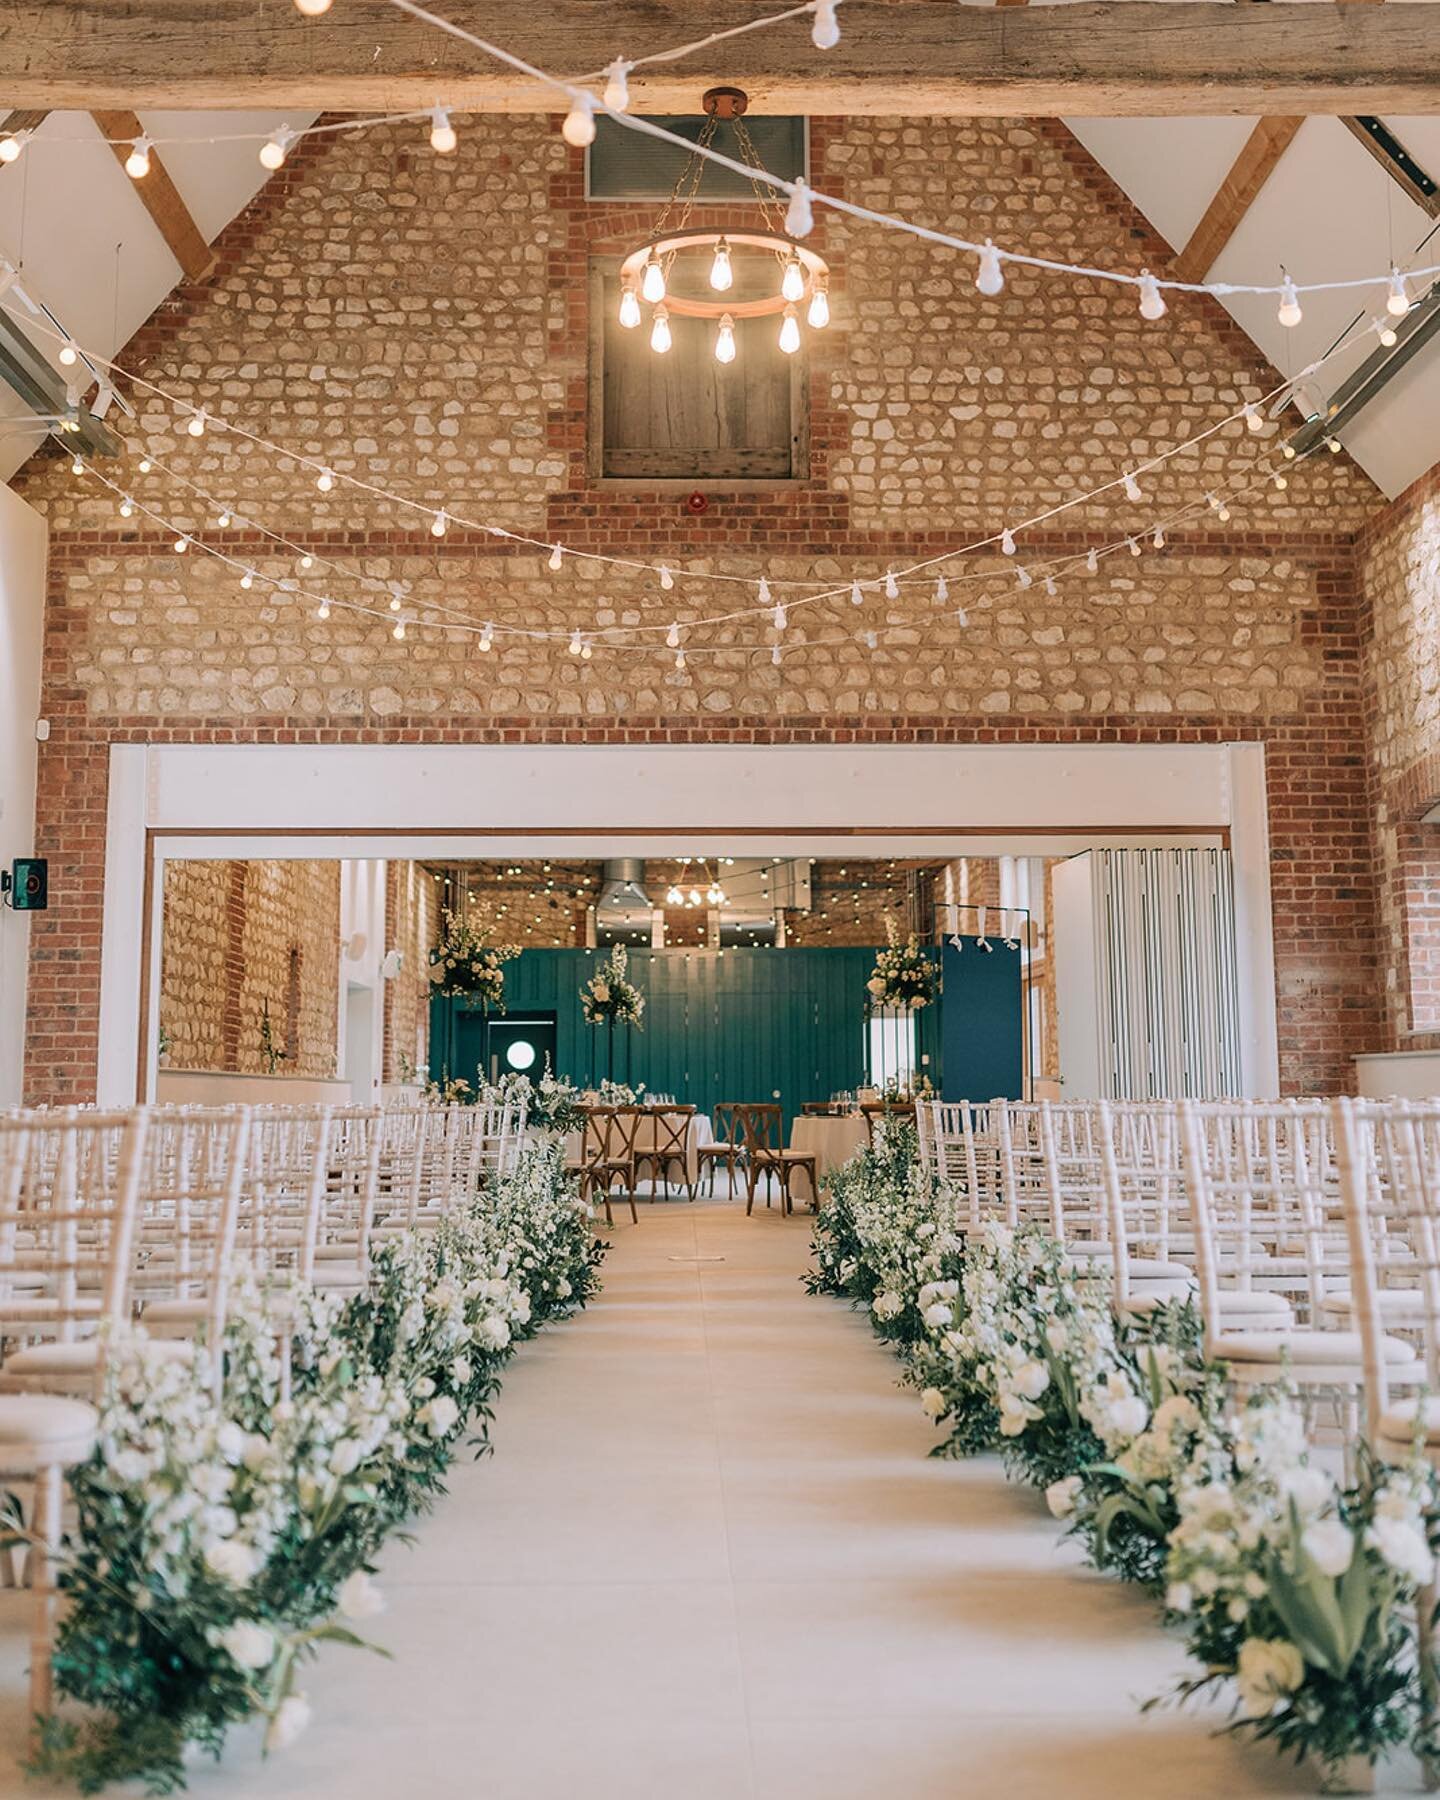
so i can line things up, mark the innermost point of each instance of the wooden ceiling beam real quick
(160, 198)
(1254, 166)
(1107, 58)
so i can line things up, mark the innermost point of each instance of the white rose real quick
(1057, 1336)
(1061, 1496)
(249, 1644)
(289, 1720)
(423, 1388)
(887, 1306)
(345, 1457)
(938, 1315)
(1178, 1597)
(1310, 1489)
(1267, 1670)
(439, 1416)
(232, 1561)
(359, 1598)
(1128, 1418)
(230, 1441)
(934, 1403)
(460, 1370)
(1178, 1410)
(495, 1332)
(1403, 1546)
(1330, 1545)
(1031, 1379)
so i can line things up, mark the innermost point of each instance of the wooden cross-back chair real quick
(727, 1146)
(608, 1155)
(761, 1127)
(671, 1146)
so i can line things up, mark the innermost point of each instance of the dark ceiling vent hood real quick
(622, 913)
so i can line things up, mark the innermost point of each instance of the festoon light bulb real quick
(1389, 337)
(857, 596)
(825, 32)
(725, 340)
(1253, 420)
(137, 163)
(722, 271)
(1289, 313)
(10, 147)
(276, 147)
(617, 85)
(667, 580)
(442, 133)
(487, 636)
(312, 9)
(1152, 301)
(672, 636)
(990, 277)
(652, 282)
(942, 589)
(799, 217)
(69, 352)
(578, 129)
(1007, 542)
(439, 523)
(629, 306)
(790, 332)
(555, 558)
(247, 580)
(660, 338)
(818, 312)
(576, 645)
(1131, 486)
(322, 611)
(325, 480)
(892, 586)
(1397, 301)
(1092, 563)
(792, 282)
(127, 507)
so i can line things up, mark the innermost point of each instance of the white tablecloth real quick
(831, 1142)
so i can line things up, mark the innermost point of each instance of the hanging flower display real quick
(609, 996)
(904, 977)
(466, 963)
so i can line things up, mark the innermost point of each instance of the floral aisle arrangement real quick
(219, 1547)
(551, 1105)
(1291, 1589)
(466, 963)
(904, 978)
(609, 997)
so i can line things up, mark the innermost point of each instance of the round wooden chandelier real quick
(668, 272)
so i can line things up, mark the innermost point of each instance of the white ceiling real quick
(72, 221)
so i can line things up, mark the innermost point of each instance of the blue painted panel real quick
(982, 1023)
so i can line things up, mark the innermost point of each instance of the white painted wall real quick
(493, 801)
(361, 950)
(1077, 1002)
(23, 548)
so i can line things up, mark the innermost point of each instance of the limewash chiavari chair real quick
(1140, 1190)
(403, 1131)
(497, 1137)
(283, 1192)
(347, 1201)
(68, 1198)
(1025, 1188)
(1257, 1180)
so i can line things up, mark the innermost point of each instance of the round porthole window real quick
(520, 1054)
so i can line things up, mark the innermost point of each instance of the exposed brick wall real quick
(849, 904)
(422, 322)
(411, 922)
(241, 938)
(1399, 556)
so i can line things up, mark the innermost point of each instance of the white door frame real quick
(459, 801)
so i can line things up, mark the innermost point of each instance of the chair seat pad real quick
(1304, 1348)
(1407, 1304)
(1397, 1424)
(1249, 1303)
(1149, 1268)
(61, 1360)
(48, 1423)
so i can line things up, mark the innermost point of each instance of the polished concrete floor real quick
(709, 1559)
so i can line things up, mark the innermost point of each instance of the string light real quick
(127, 508)
(680, 659)
(1158, 541)
(892, 586)
(575, 643)
(307, 561)
(775, 656)
(1152, 301)
(825, 32)
(672, 636)
(11, 146)
(181, 545)
(667, 580)
(69, 353)
(629, 307)
(1132, 487)
(857, 597)
(137, 163)
(790, 332)
(247, 580)
(322, 611)
(443, 138)
(1133, 545)
(578, 130)
(817, 314)
(1333, 445)
(762, 593)
(780, 615)
(1007, 542)
(799, 215)
(942, 589)
(1222, 513)
(325, 480)
(617, 85)
(1289, 313)
(312, 9)
(1280, 481)
(1024, 577)
(487, 636)
(586, 651)
(396, 600)
(224, 519)
(725, 340)
(399, 632)
(962, 618)
(660, 339)
(276, 148)
(1050, 587)
(1092, 563)
(144, 465)
(77, 467)
(440, 524)
(1389, 337)
(195, 424)
(1397, 301)
(991, 277)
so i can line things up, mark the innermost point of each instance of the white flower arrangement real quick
(904, 977)
(465, 963)
(609, 996)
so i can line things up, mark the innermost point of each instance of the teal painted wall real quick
(741, 1025)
